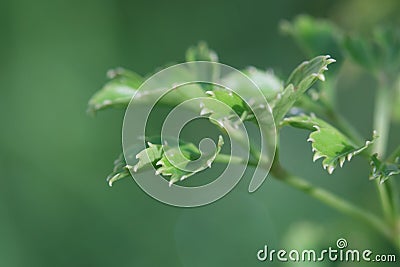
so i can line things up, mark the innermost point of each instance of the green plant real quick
(300, 102)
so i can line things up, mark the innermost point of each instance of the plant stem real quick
(224, 158)
(382, 117)
(330, 199)
(383, 109)
(318, 193)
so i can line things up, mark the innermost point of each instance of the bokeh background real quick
(55, 206)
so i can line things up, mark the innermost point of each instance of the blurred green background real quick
(55, 206)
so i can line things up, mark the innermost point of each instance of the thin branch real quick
(224, 158)
(318, 193)
(382, 118)
(331, 200)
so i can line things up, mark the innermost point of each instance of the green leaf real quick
(317, 37)
(226, 117)
(148, 156)
(121, 169)
(379, 54)
(231, 99)
(384, 170)
(168, 161)
(360, 51)
(201, 52)
(305, 75)
(176, 170)
(117, 92)
(269, 84)
(327, 142)
(314, 36)
(387, 43)
(123, 84)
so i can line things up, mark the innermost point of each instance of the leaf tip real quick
(331, 169)
(329, 59)
(341, 161)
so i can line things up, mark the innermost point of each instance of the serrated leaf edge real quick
(341, 159)
(377, 173)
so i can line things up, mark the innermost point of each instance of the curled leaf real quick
(180, 169)
(148, 156)
(121, 169)
(383, 170)
(173, 163)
